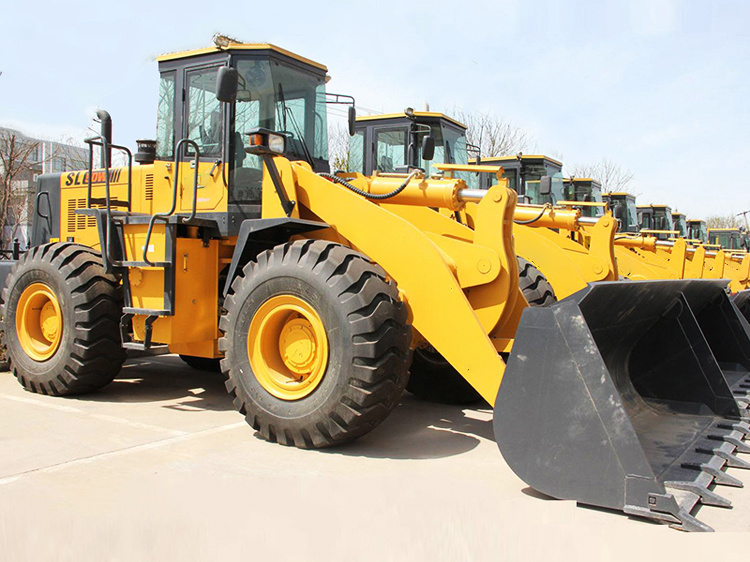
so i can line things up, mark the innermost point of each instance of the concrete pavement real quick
(159, 464)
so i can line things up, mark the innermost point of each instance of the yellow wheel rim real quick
(39, 322)
(288, 347)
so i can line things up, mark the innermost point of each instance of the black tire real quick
(433, 379)
(368, 355)
(89, 354)
(202, 363)
(535, 287)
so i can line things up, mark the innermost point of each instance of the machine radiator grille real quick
(77, 221)
(149, 187)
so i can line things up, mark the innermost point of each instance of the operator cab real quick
(728, 238)
(657, 219)
(624, 209)
(585, 190)
(697, 231)
(395, 142)
(679, 223)
(275, 90)
(525, 173)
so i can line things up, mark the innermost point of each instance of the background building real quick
(28, 158)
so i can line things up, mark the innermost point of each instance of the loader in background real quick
(733, 239)
(561, 252)
(679, 224)
(697, 231)
(312, 288)
(656, 220)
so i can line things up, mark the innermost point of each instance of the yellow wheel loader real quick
(559, 250)
(231, 240)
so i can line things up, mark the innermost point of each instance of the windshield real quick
(645, 219)
(284, 99)
(631, 215)
(680, 225)
(585, 192)
(697, 231)
(727, 240)
(533, 183)
(662, 219)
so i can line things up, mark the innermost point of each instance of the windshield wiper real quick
(297, 131)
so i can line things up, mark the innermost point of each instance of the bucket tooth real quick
(720, 477)
(743, 427)
(732, 460)
(741, 446)
(690, 524)
(707, 497)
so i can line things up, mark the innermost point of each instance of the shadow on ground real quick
(414, 430)
(422, 430)
(165, 379)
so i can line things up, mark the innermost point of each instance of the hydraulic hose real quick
(536, 218)
(374, 196)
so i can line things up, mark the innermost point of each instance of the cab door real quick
(389, 147)
(204, 122)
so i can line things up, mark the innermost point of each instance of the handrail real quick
(165, 216)
(99, 140)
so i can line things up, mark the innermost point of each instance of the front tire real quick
(316, 344)
(62, 316)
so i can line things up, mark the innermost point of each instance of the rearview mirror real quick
(428, 147)
(545, 185)
(352, 119)
(226, 84)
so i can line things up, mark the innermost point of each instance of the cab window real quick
(205, 121)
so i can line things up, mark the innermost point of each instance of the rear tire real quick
(352, 365)
(62, 315)
(433, 379)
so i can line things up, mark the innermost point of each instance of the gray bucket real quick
(613, 397)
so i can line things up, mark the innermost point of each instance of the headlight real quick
(276, 143)
(265, 142)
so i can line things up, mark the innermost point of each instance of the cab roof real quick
(486, 159)
(427, 114)
(582, 180)
(619, 193)
(236, 46)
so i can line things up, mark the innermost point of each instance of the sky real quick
(660, 87)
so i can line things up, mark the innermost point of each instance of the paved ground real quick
(159, 464)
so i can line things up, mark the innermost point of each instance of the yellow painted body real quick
(640, 258)
(460, 284)
(193, 329)
(430, 257)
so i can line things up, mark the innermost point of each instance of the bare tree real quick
(17, 156)
(612, 176)
(724, 221)
(338, 146)
(494, 135)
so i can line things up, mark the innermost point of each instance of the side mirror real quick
(226, 84)
(428, 147)
(352, 119)
(545, 185)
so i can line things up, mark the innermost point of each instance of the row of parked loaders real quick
(322, 296)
